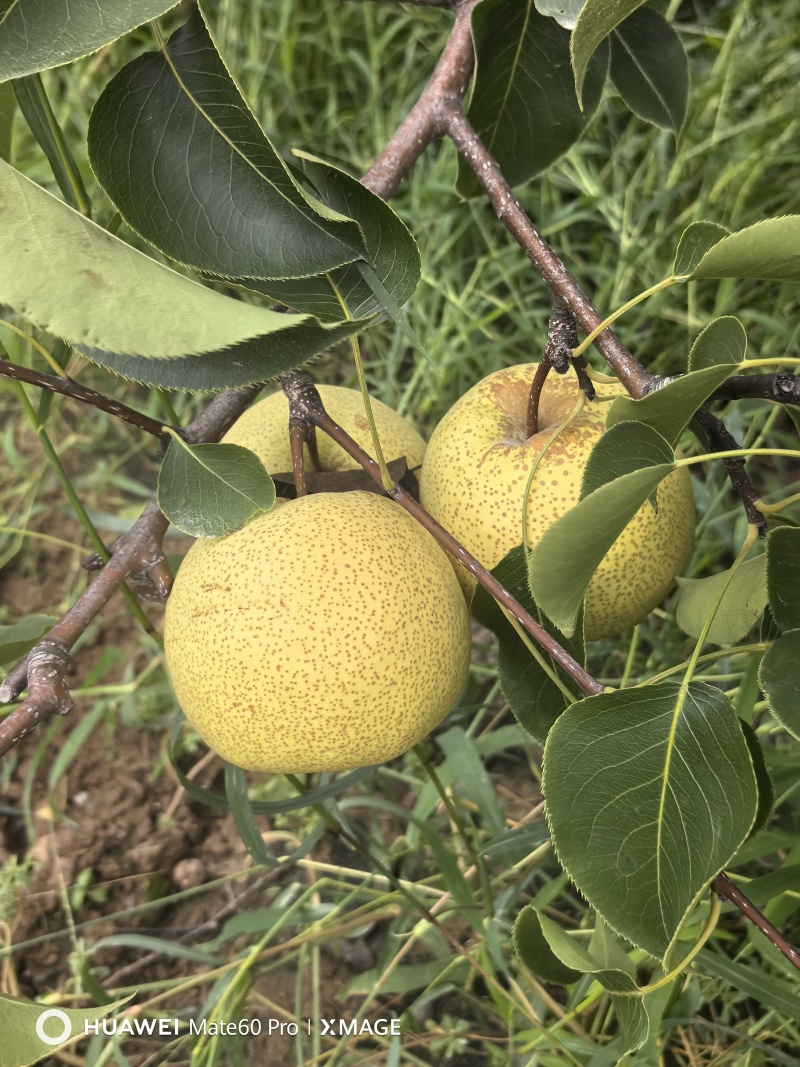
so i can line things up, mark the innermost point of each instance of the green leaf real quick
(754, 982)
(632, 1012)
(533, 697)
(695, 241)
(783, 576)
(68, 276)
(19, 638)
(780, 680)
(595, 22)
(723, 341)
(523, 105)
(650, 70)
(187, 165)
(627, 449)
(390, 246)
(533, 949)
(766, 787)
(605, 960)
(742, 603)
(212, 490)
(38, 114)
(769, 249)
(565, 12)
(39, 34)
(649, 792)
(468, 770)
(669, 410)
(243, 817)
(8, 105)
(563, 562)
(18, 1021)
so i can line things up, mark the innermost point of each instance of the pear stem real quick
(296, 440)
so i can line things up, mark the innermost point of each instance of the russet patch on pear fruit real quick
(476, 469)
(325, 635)
(263, 429)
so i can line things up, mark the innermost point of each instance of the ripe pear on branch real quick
(327, 634)
(478, 465)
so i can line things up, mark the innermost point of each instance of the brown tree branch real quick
(426, 120)
(69, 387)
(726, 888)
(564, 288)
(781, 388)
(150, 527)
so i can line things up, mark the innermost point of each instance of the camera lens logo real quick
(59, 1016)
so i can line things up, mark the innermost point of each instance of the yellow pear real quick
(327, 634)
(476, 469)
(264, 430)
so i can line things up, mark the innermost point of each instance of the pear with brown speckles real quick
(327, 634)
(263, 429)
(476, 469)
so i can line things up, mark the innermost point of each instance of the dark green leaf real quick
(8, 104)
(534, 698)
(650, 70)
(19, 638)
(780, 680)
(185, 162)
(766, 788)
(35, 107)
(563, 562)
(595, 22)
(533, 949)
(783, 576)
(742, 604)
(390, 246)
(243, 364)
(468, 771)
(70, 277)
(629, 448)
(39, 34)
(243, 817)
(669, 410)
(211, 490)
(695, 241)
(523, 105)
(649, 791)
(722, 341)
(769, 249)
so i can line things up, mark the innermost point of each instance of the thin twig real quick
(721, 440)
(69, 387)
(561, 283)
(726, 888)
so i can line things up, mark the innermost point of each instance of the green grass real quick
(335, 77)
